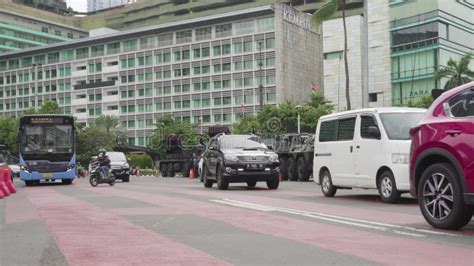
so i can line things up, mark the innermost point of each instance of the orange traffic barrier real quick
(192, 175)
(6, 175)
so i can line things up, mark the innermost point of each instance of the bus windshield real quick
(41, 139)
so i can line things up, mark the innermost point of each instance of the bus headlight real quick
(70, 167)
(23, 168)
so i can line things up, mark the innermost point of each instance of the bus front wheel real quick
(66, 181)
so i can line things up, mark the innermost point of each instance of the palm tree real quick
(107, 122)
(457, 72)
(326, 11)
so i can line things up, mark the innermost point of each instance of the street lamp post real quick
(260, 65)
(298, 108)
(35, 76)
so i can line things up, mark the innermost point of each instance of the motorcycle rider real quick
(104, 162)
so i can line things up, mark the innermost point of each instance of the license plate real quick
(48, 175)
(253, 166)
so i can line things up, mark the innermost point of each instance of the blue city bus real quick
(47, 148)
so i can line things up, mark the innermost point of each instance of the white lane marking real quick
(337, 219)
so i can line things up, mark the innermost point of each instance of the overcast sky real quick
(78, 5)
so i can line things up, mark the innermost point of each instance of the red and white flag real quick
(313, 88)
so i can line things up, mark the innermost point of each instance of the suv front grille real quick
(258, 158)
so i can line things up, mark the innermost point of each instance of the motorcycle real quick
(97, 177)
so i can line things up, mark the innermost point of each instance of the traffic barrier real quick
(3, 187)
(192, 175)
(6, 175)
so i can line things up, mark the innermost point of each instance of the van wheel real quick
(328, 189)
(205, 177)
(284, 168)
(388, 188)
(164, 170)
(302, 172)
(440, 198)
(292, 176)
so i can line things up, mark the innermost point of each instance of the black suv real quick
(239, 158)
(118, 163)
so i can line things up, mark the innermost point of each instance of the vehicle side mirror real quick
(374, 132)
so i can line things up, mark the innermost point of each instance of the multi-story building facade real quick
(208, 70)
(424, 36)
(94, 5)
(407, 42)
(19, 32)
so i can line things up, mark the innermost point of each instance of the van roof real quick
(375, 110)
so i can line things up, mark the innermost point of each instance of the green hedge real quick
(143, 161)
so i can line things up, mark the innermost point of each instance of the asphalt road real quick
(169, 221)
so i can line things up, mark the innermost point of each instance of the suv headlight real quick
(274, 157)
(125, 165)
(400, 158)
(230, 157)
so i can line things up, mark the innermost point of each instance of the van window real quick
(327, 131)
(366, 121)
(346, 129)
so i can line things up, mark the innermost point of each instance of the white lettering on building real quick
(299, 19)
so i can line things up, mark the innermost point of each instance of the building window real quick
(244, 27)
(129, 45)
(238, 48)
(203, 34)
(57, 32)
(113, 48)
(184, 36)
(165, 39)
(372, 97)
(223, 30)
(248, 47)
(266, 24)
(70, 35)
(333, 55)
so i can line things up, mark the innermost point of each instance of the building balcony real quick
(94, 85)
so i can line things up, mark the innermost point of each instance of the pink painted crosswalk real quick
(178, 222)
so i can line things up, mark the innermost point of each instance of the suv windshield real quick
(240, 142)
(48, 139)
(397, 125)
(116, 157)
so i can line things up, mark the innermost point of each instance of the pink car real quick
(442, 159)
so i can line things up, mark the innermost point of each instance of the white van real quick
(365, 148)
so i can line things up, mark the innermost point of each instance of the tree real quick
(50, 107)
(457, 72)
(108, 122)
(247, 125)
(274, 120)
(91, 140)
(8, 131)
(423, 102)
(325, 12)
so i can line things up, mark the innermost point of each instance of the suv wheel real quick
(251, 183)
(273, 183)
(440, 198)
(205, 174)
(302, 172)
(292, 169)
(126, 178)
(222, 182)
(388, 188)
(326, 184)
